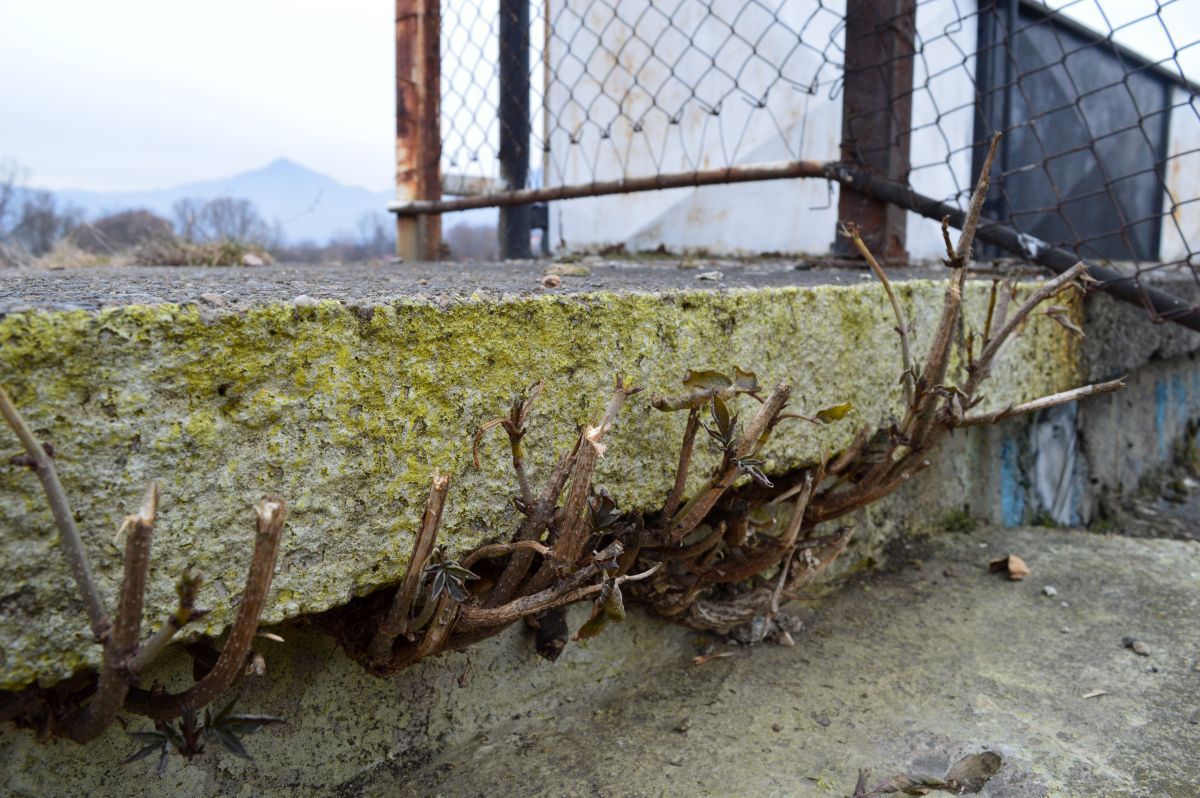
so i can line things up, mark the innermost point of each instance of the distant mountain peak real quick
(284, 166)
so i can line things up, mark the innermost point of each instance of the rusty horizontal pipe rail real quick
(735, 174)
(1126, 288)
(1121, 286)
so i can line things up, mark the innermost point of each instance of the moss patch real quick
(347, 412)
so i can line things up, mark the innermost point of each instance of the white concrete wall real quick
(1181, 219)
(943, 114)
(776, 216)
(780, 216)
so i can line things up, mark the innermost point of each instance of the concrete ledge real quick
(347, 407)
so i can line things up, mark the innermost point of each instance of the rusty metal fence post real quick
(514, 124)
(877, 116)
(418, 127)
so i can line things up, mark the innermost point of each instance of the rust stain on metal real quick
(418, 134)
(877, 114)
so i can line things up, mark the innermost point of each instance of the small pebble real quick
(1065, 630)
(304, 300)
(216, 300)
(710, 276)
(1064, 604)
(1137, 646)
(551, 281)
(1050, 590)
(775, 727)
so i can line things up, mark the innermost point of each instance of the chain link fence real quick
(889, 104)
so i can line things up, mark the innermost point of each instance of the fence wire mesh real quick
(1096, 99)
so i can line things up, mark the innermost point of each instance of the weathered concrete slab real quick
(343, 390)
(901, 671)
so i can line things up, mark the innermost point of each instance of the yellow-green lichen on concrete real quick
(347, 412)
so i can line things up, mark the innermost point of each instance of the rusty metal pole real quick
(418, 134)
(515, 220)
(877, 117)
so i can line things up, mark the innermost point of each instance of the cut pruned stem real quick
(576, 517)
(271, 514)
(113, 684)
(68, 532)
(396, 622)
(1053, 400)
(934, 373)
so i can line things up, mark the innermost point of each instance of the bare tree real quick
(11, 177)
(186, 215)
(41, 223)
(220, 219)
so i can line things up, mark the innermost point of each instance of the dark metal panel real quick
(514, 124)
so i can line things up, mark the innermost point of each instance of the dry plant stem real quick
(850, 453)
(531, 528)
(474, 617)
(72, 544)
(983, 365)
(685, 462)
(934, 373)
(570, 591)
(1041, 404)
(183, 614)
(497, 549)
(271, 512)
(113, 684)
(396, 622)
(966, 239)
(439, 628)
(908, 376)
(991, 312)
(694, 550)
(692, 513)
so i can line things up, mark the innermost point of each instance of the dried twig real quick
(396, 622)
(1043, 403)
(185, 612)
(685, 461)
(113, 684)
(271, 514)
(908, 375)
(576, 515)
(68, 532)
(692, 513)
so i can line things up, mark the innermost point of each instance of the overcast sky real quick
(140, 94)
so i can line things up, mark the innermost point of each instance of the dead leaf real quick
(706, 380)
(745, 381)
(971, 773)
(1013, 565)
